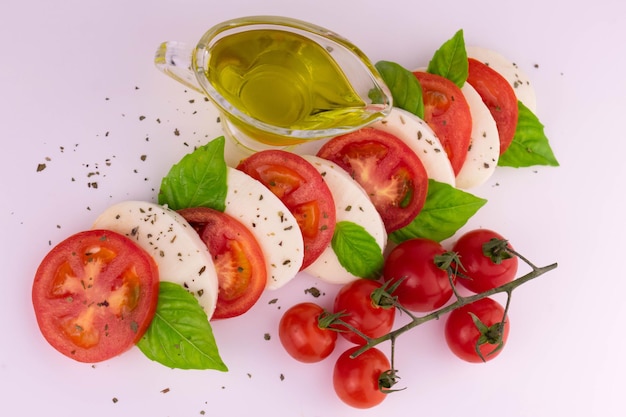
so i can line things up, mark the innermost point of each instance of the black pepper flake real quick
(273, 301)
(267, 336)
(143, 157)
(115, 400)
(313, 291)
(176, 132)
(165, 390)
(141, 118)
(41, 167)
(282, 377)
(202, 270)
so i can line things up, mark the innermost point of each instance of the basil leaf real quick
(180, 335)
(530, 145)
(198, 179)
(446, 210)
(450, 60)
(357, 250)
(405, 89)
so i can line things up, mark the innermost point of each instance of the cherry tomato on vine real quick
(484, 269)
(424, 287)
(357, 381)
(301, 335)
(475, 328)
(362, 312)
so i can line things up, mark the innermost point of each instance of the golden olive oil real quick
(284, 79)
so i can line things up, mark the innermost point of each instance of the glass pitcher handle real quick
(174, 59)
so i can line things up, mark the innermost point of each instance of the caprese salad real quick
(154, 275)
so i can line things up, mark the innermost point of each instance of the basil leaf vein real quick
(530, 145)
(404, 86)
(357, 250)
(180, 335)
(198, 179)
(450, 60)
(446, 210)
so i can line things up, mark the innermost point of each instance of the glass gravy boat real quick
(279, 81)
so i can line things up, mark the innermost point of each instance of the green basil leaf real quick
(405, 89)
(450, 60)
(357, 250)
(180, 335)
(446, 210)
(198, 179)
(530, 145)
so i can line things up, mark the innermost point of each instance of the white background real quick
(76, 77)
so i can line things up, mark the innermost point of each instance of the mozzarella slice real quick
(414, 132)
(482, 156)
(352, 204)
(520, 82)
(269, 220)
(182, 257)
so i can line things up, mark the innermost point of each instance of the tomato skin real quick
(447, 112)
(483, 274)
(424, 287)
(462, 334)
(303, 190)
(498, 96)
(238, 259)
(355, 380)
(389, 171)
(94, 295)
(354, 299)
(302, 337)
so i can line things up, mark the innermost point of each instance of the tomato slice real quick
(390, 172)
(238, 259)
(303, 191)
(447, 112)
(498, 96)
(94, 295)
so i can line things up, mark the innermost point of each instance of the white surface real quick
(78, 75)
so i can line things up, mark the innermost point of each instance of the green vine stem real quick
(460, 302)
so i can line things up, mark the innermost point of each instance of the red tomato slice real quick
(94, 295)
(238, 259)
(389, 171)
(498, 96)
(446, 111)
(302, 189)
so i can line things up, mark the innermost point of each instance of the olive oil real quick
(284, 79)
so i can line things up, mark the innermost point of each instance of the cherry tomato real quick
(303, 190)
(463, 334)
(498, 96)
(446, 111)
(301, 335)
(424, 287)
(94, 295)
(356, 380)
(389, 171)
(355, 300)
(237, 256)
(482, 272)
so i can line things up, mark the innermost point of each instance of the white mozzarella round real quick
(484, 150)
(524, 91)
(414, 132)
(181, 256)
(352, 204)
(272, 224)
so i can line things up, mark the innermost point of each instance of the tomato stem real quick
(460, 302)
